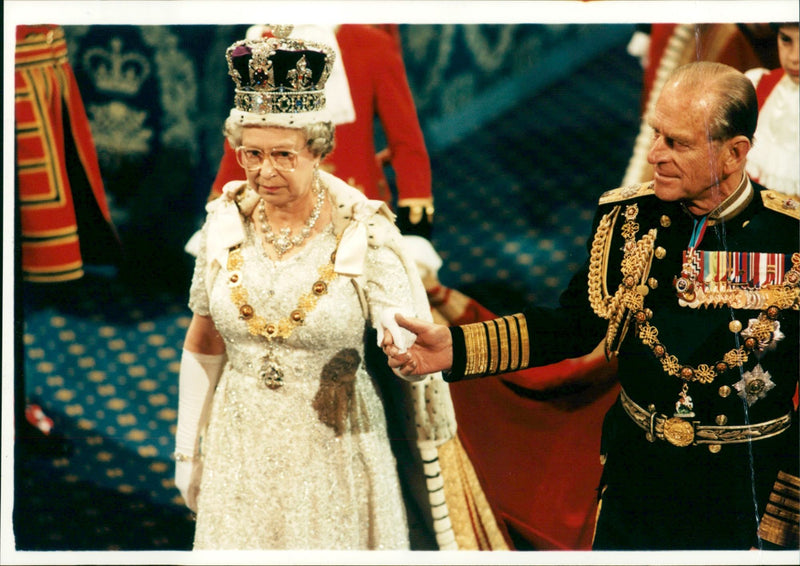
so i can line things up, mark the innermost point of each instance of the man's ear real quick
(736, 150)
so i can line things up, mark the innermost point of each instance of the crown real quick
(278, 75)
(115, 71)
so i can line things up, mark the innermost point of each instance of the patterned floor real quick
(101, 356)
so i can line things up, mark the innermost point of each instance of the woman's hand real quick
(431, 352)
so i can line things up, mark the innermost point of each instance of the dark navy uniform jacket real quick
(656, 495)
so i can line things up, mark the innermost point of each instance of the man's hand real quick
(431, 352)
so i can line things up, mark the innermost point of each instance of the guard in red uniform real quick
(64, 217)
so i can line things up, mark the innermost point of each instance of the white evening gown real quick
(307, 465)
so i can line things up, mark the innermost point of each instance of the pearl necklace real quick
(284, 241)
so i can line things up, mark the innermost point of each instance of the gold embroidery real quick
(502, 328)
(493, 348)
(779, 202)
(635, 266)
(514, 344)
(525, 345)
(475, 341)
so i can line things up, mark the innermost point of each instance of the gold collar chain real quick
(283, 328)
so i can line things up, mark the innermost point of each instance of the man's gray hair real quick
(735, 106)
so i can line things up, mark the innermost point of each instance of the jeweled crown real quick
(278, 75)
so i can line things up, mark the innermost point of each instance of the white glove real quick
(197, 381)
(402, 338)
(639, 47)
(192, 247)
(422, 252)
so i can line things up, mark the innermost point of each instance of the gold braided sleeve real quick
(496, 346)
(779, 525)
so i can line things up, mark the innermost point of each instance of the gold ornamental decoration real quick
(283, 328)
(678, 432)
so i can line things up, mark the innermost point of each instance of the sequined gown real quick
(307, 465)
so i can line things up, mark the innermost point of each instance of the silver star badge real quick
(754, 385)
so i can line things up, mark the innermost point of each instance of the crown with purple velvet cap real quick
(279, 81)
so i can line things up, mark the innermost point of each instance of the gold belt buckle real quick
(678, 432)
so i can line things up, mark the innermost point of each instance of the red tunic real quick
(44, 89)
(766, 84)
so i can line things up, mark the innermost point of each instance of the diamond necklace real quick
(284, 241)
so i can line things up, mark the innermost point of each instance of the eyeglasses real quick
(252, 158)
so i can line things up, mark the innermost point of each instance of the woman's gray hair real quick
(318, 135)
(735, 106)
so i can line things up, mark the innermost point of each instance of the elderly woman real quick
(282, 438)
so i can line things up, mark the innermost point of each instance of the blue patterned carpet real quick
(514, 205)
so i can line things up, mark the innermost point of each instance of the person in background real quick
(63, 222)
(283, 433)
(773, 161)
(693, 284)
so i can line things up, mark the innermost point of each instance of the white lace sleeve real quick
(198, 293)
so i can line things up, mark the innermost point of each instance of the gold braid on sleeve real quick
(782, 515)
(496, 346)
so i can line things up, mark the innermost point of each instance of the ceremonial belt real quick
(683, 432)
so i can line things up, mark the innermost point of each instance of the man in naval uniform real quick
(692, 282)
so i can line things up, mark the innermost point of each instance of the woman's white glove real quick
(197, 381)
(401, 337)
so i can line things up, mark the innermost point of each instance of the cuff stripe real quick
(496, 346)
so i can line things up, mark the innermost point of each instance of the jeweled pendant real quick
(282, 243)
(684, 407)
(270, 374)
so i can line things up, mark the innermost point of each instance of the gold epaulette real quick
(625, 193)
(496, 346)
(781, 202)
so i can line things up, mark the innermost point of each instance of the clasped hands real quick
(432, 350)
